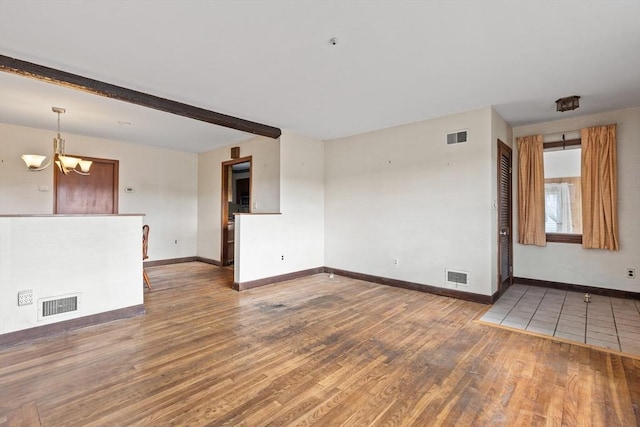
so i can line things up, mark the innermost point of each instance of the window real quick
(562, 191)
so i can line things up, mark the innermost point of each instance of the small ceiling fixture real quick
(567, 104)
(65, 163)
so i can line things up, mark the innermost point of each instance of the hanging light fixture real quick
(65, 163)
(568, 104)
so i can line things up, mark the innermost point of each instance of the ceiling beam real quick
(85, 84)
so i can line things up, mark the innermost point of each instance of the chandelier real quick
(65, 163)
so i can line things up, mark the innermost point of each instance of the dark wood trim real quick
(208, 261)
(18, 337)
(564, 238)
(494, 297)
(96, 87)
(559, 144)
(181, 260)
(224, 200)
(453, 293)
(275, 279)
(616, 293)
(169, 261)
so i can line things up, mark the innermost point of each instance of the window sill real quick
(564, 238)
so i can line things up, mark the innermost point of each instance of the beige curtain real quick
(599, 188)
(531, 191)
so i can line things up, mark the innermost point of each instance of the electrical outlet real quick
(631, 273)
(282, 257)
(175, 242)
(396, 262)
(25, 297)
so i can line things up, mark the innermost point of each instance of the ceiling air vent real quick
(457, 278)
(457, 137)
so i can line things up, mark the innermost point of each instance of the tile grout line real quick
(536, 310)
(586, 320)
(564, 298)
(615, 324)
(513, 306)
(555, 328)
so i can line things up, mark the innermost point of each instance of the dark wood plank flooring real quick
(313, 351)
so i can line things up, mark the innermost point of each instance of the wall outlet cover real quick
(25, 297)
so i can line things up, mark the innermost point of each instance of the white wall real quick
(297, 234)
(403, 193)
(95, 256)
(570, 263)
(164, 183)
(265, 188)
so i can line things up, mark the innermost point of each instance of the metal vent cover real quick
(58, 305)
(457, 137)
(457, 278)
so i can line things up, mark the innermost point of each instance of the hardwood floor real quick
(313, 351)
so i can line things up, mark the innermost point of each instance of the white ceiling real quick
(270, 61)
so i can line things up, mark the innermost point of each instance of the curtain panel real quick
(531, 200)
(599, 188)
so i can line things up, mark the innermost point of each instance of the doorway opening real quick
(236, 199)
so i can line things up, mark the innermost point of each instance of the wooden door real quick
(504, 205)
(96, 193)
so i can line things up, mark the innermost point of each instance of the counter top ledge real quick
(63, 215)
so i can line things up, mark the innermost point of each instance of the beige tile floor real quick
(605, 322)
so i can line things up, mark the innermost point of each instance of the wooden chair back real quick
(145, 241)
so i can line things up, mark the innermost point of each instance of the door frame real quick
(224, 201)
(504, 148)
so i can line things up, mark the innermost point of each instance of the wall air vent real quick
(457, 278)
(457, 137)
(58, 305)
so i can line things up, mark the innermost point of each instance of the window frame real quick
(563, 237)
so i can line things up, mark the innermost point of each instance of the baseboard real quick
(494, 297)
(16, 337)
(169, 261)
(454, 293)
(469, 296)
(578, 288)
(208, 261)
(275, 279)
(181, 260)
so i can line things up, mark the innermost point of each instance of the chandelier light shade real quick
(65, 163)
(33, 161)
